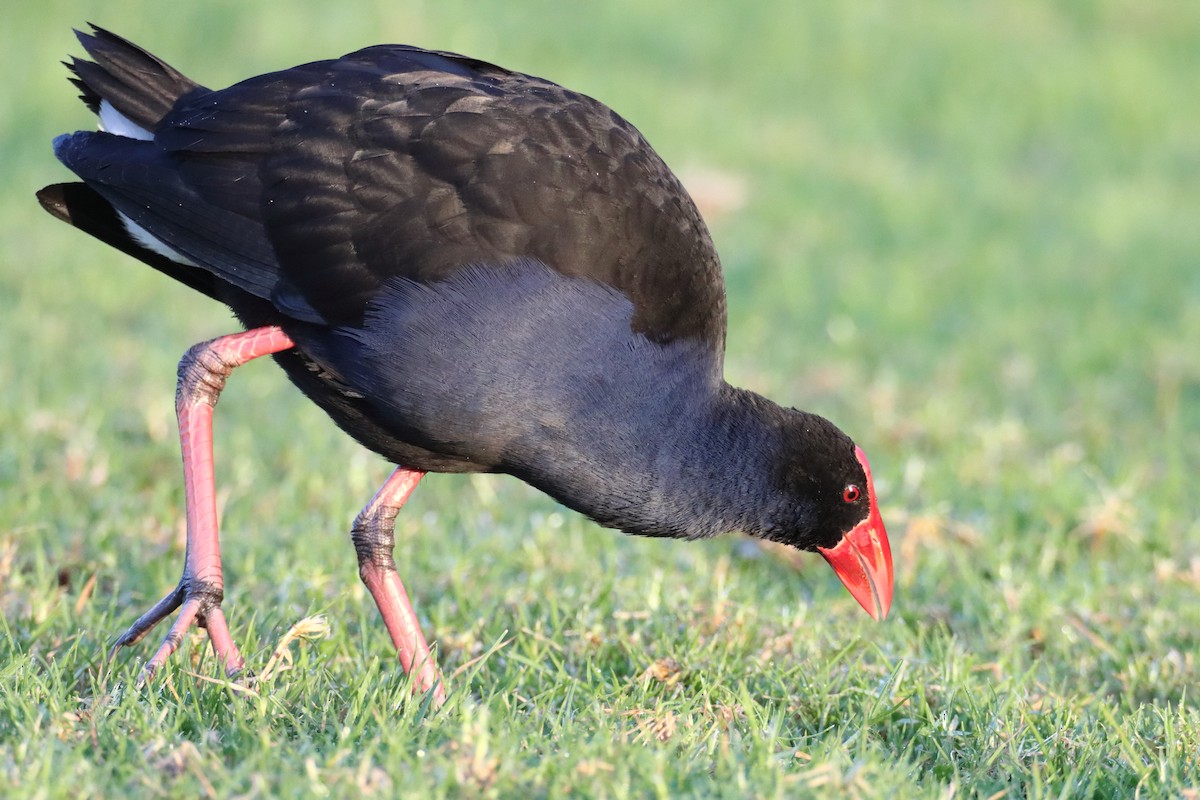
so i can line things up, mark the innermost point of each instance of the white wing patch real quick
(113, 121)
(143, 237)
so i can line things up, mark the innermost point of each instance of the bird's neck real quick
(690, 460)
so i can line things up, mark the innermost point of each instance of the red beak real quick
(863, 558)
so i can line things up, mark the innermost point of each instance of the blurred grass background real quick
(966, 232)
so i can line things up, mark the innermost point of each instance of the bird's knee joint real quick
(373, 544)
(202, 373)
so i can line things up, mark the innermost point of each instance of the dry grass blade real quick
(307, 629)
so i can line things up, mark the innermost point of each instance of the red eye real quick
(851, 494)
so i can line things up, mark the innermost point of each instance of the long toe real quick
(196, 607)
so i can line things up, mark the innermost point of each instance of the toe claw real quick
(145, 675)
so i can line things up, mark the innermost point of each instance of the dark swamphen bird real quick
(470, 270)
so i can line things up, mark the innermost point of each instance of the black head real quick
(821, 476)
(830, 498)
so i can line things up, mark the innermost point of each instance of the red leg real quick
(374, 536)
(202, 374)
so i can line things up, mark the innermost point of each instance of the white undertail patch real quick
(148, 241)
(116, 123)
(113, 121)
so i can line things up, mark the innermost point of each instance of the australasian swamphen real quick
(470, 270)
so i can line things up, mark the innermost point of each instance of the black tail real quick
(139, 85)
(78, 205)
(143, 89)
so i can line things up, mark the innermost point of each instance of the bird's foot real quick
(199, 603)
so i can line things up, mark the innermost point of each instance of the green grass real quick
(969, 236)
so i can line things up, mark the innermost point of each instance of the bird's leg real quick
(202, 374)
(374, 536)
